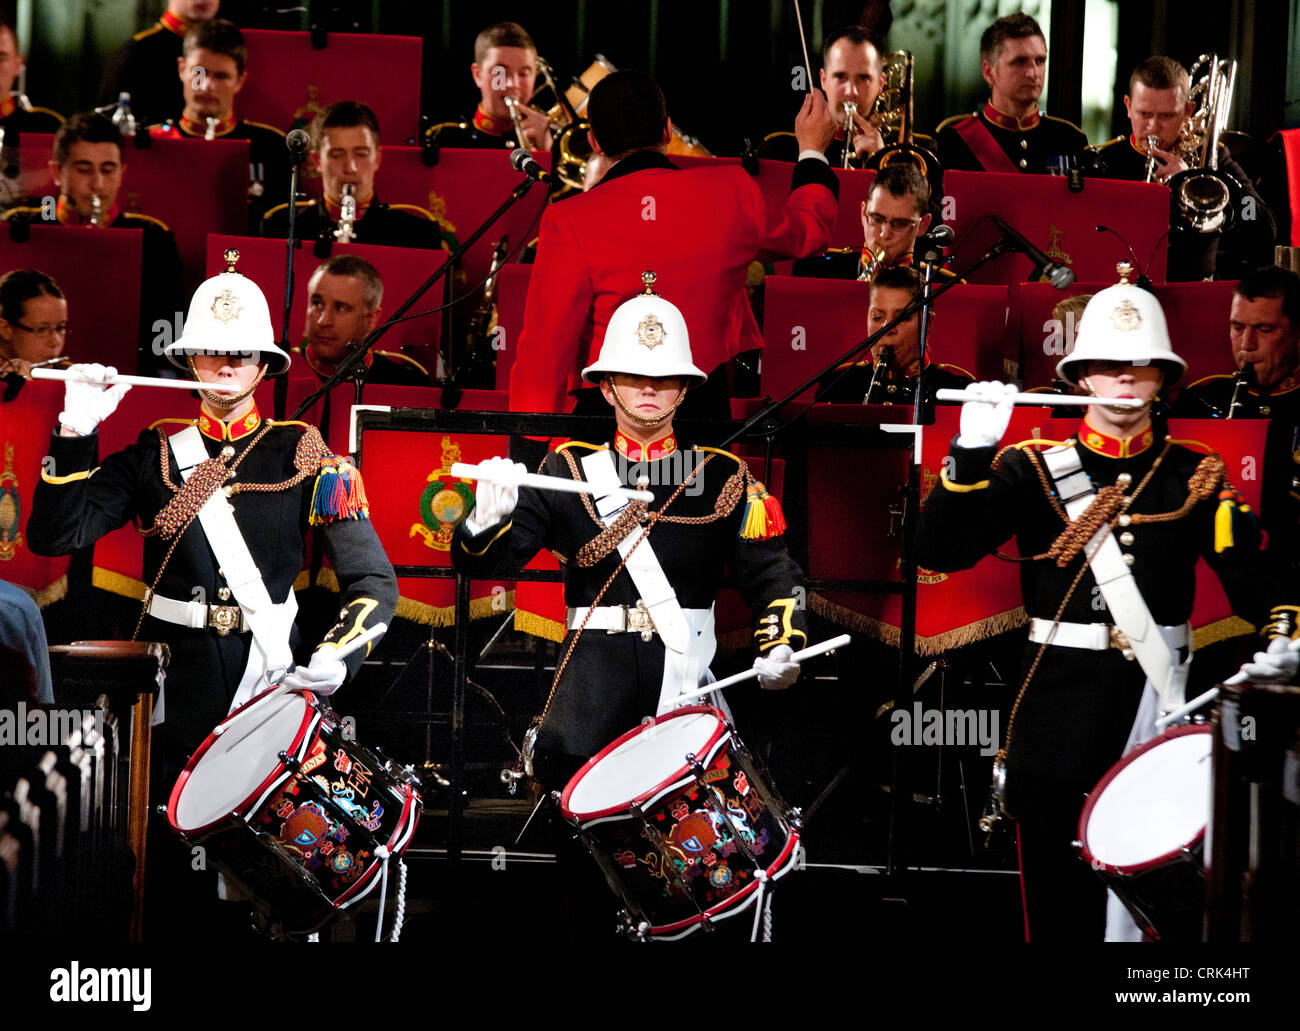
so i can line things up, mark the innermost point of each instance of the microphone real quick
(298, 143)
(1060, 276)
(941, 236)
(522, 161)
(1143, 280)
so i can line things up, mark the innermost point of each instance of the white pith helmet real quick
(1122, 323)
(228, 315)
(646, 336)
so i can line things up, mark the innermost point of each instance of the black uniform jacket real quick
(1029, 143)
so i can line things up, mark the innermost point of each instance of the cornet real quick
(1153, 141)
(850, 109)
(347, 215)
(521, 138)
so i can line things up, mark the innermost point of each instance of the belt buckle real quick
(1119, 640)
(638, 619)
(225, 618)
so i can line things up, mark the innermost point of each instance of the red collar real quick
(1136, 146)
(1115, 447)
(215, 429)
(335, 210)
(1003, 121)
(67, 214)
(8, 106)
(174, 23)
(490, 124)
(200, 129)
(636, 452)
(1285, 387)
(313, 360)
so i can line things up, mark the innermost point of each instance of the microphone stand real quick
(344, 369)
(281, 390)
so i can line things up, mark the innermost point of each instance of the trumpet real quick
(347, 215)
(96, 210)
(521, 137)
(1206, 198)
(871, 264)
(850, 109)
(1153, 141)
(211, 132)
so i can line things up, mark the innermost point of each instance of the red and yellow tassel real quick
(339, 494)
(1234, 522)
(763, 516)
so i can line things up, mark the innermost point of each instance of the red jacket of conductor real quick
(697, 229)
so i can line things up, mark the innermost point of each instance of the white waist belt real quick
(618, 619)
(197, 616)
(1097, 637)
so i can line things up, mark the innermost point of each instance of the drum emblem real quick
(742, 783)
(694, 835)
(681, 810)
(343, 862)
(305, 828)
(720, 875)
(625, 859)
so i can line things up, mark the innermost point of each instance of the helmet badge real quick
(650, 332)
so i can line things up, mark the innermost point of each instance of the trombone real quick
(1206, 199)
(892, 115)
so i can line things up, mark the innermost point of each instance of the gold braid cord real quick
(1077, 533)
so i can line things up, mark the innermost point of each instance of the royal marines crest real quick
(1126, 318)
(650, 332)
(437, 207)
(11, 512)
(1054, 250)
(445, 503)
(226, 306)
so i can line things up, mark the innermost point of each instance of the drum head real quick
(641, 761)
(227, 770)
(1151, 804)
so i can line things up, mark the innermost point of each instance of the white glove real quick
(86, 405)
(493, 502)
(986, 416)
(1276, 665)
(323, 675)
(776, 670)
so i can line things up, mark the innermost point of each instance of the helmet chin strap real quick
(641, 420)
(221, 400)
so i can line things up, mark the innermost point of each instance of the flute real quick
(948, 394)
(466, 471)
(138, 381)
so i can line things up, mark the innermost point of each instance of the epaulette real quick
(953, 121)
(1025, 445)
(289, 422)
(46, 111)
(718, 451)
(397, 356)
(12, 212)
(151, 30)
(1064, 121)
(956, 368)
(1109, 143)
(415, 209)
(281, 207)
(263, 125)
(148, 218)
(1208, 379)
(178, 422)
(1192, 445)
(433, 130)
(774, 135)
(580, 443)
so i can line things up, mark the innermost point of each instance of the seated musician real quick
(1010, 134)
(1159, 108)
(850, 74)
(344, 299)
(1109, 637)
(708, 512)
(212, 71)
(88, 167)
(16, 113)
(226, 629)
(888, 374)
(1264, 337)
(33, 325)
(505, 65)
(346, 152)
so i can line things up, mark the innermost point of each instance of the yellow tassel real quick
(763, 517)
(1223, 535)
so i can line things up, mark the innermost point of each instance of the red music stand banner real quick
(25, 426)
(1197, 314)
(1291, 152)
(512, 293)
(1063, 225)
(956, 609)
(402, 268)
(290, 81)
(99, 273)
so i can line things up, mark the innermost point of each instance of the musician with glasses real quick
(33, 323)
(1159, 106)
(1110, 523)
(851, 73)
(505, 65)
(1009, 133)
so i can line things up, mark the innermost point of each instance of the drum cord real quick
(382, 853)
(762, 908)
(400, 897)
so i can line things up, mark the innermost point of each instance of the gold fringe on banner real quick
(538, 626)
(445, 615)
(889, 634)
(107, 580)
(56, 591)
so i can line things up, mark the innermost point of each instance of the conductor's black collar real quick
(637, 162)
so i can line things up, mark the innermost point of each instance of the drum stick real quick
(467, 471)
(948, 394)
(360, 641)
(1192, 706)
(800, 656)
(807, 65)
(138, 381)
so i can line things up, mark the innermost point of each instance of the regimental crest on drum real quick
(305, 828)
(445, 503)
(11, 509)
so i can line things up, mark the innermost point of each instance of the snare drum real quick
(1143, 830)
(288, 806)
(681, 819)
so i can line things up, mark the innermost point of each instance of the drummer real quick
(640, 630)
(1087, 692)
(225, 632)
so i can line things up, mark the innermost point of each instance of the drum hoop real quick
(735, 904)
(1133, 869)
(311, 716)
(396, 846)
(720, 735)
